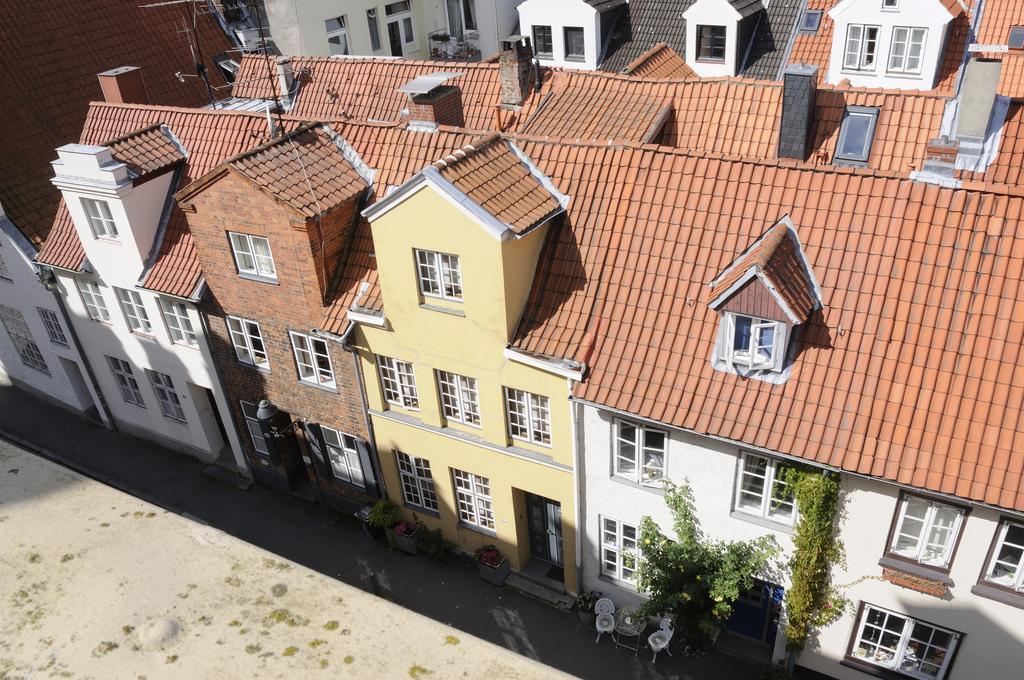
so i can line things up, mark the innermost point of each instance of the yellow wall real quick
(469, 342)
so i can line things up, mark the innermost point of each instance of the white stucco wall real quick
(928, 14)
(22, 291)
(712, 13)
(559, 14)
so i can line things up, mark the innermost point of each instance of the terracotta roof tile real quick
(52, 82)
(997, 18)
(145, 151)
(660, 62)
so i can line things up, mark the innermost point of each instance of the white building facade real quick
(567, 33)
(38, 349)
(148, 351)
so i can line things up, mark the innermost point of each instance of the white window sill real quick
(444, 310)
(319, 386)
(763, 522)
(615, 581)
(258, 278)
(658, 488)
(463, 524)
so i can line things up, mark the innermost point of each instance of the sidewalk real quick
(333, 544)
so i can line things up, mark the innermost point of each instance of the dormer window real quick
(907, 50)
(861, 48)
(754, 343)
(439, 275)
(810, 21)
(711, 43)
(100, 220)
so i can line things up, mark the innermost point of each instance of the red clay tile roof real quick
(997, 18)
(52, 53)
(911, 372)
(367, 88)
(494, 177)
(660, 62)
(775, 255)
(145, 151)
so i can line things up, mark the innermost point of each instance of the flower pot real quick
(587, 617)
(494, 575)
(405, 542)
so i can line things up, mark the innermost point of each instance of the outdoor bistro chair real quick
(605, 621)
(659, 639)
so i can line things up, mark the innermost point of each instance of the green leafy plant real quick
(435, 544)
(384, 514)
(695, 578)
(585, 601)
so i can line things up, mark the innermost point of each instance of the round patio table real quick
(629, 626)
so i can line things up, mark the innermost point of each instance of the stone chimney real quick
(799, 92)
(515, 66)
(123, 85)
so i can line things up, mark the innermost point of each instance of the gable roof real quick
(772, 40)
(644, 24)
(660, 62)
(150, 150)
(51, 81)
(746, 7)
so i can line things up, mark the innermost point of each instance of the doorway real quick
(755, 615)
(395, 38)
(545, 517)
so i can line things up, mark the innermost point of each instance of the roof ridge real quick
(466, 151)
(134, 133)
(484, 65)
(274, 141)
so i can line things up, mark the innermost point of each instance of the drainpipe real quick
(577, 471)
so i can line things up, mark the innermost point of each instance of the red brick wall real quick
(443, 106)
(294, 303)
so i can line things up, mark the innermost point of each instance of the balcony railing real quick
(446, 47)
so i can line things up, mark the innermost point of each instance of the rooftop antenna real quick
(271, 70)
(198, 6)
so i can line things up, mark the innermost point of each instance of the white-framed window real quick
(861, 47)
(890, 4)
(252, 255)
(374, 28)
(439, 275)
(125, 379)
(752, 343)
(100, 220)
(473, 494)
(92, 296)
(856, 134)
(761, 492)
(21, 338)
(640, 453)
(344, 455)
(1006, 567)
(179, 326)
(252, 423)
(461, 17)
(166, 396)
(575, 43)
(312, 359)
(134, 311)
(907, 50)
(337, 35)
(459, 398)
(53, 328)
(618, 549)
(528, 416)
(925, 531)
(417, 482)
(902, 644)
(543, 44)
(247, 340)
(398, 382)
(399, 20)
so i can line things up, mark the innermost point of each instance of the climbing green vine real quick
(812, 601)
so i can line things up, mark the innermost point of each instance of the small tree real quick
(695, 578)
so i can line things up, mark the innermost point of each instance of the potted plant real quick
(404, 536)
(584, 607)
(493, 566)
(381, 516)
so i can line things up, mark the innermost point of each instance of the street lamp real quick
(266, 411)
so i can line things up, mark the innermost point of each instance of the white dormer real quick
(717, 35)
(897, 44)
(117, 217)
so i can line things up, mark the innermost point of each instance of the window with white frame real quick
(252, 255)
(907, 49)
(618, 549)
(179, 326)
(575, 44)
(542, 41)
(312, 359)
(925, 531)
(398, 382)
(417, 482)
(92, 296)
(459, 399)
(21, 337)
(344, 455)
(53, 328)
(399, 14)
(528, 416)
(856, 134)
(337, 35)
(439, 275)
(100, 220)
(752, 343)
(761, 491)
(1006, 567)
(247, 340)
(134, 312)
(861, 48)
(640, 453)
(890, 4)
(461, 17)
(126, 382)
(473, 494)
(902, 644)
(166, 396)
(252, 423)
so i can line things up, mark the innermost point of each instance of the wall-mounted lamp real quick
(266, 412)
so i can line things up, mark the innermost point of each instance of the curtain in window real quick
(469, 14)
(455, 19)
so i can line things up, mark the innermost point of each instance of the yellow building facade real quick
(494, 477)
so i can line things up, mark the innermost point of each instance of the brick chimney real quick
(940, 156)
(123, 85)
(440, 106)
(515, 66)
(799, 92)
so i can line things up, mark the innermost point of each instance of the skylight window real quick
(856, 135)
(810, 21)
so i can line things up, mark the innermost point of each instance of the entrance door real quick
(755, 614)
(545, 528)
(395, 38)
